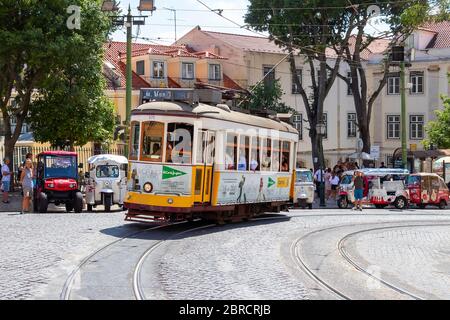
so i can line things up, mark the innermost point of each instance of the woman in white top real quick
(334, 181)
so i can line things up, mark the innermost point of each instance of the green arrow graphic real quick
(271, 182)
(168, 173)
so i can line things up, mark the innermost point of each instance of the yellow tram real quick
(189, 159)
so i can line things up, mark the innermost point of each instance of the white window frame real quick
(161, 69)
(349, 85)
(214, 72)
(299, 75)
(297, 121)
(351, 125)
(185, 70)
(416, 126)
(392, 121)
(414, 78)
(393, 84)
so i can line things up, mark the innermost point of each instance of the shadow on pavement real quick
(154, 231)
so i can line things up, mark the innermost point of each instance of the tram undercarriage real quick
(217, 214)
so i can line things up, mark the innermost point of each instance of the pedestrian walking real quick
(327, 183)
(358, 183)
(26, 179)
(334, 181)
(6, 180)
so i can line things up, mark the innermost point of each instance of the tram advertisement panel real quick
(163, 179)
(242, 187)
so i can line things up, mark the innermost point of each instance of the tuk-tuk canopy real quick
(107, 157)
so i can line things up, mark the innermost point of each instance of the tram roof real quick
(213, 112)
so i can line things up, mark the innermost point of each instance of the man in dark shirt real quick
(358, 182)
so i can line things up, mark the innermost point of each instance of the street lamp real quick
(321, 131)
(128, 21)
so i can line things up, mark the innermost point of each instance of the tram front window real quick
(152, 142)
(134, 141)
(179, 143)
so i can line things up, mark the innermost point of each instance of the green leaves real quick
(267, 96)
(39, 52)
(439, 130)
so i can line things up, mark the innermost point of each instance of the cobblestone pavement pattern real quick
(39, 249)
(240, 261)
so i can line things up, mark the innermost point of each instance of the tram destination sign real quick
(155, 94)
(175, 94)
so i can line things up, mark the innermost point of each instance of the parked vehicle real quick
(304, 188)
(383, 187)
(428, 189)
(389, 188)
(56, 181)
(106, 181)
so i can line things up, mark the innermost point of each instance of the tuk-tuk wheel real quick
(43, 203)
(108, 202)
(342, 203)
(400, 203)
(442, 204)
(78, 202)
(310, 206)
(89, 207)
(69, 206)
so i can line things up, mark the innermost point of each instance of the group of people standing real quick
(26, 174)
(332, 179)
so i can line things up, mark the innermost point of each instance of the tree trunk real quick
(316, 149)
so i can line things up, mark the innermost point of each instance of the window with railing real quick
(158, 70)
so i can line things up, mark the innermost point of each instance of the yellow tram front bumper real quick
(172, 201)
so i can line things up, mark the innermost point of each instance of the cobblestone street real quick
(250, 260)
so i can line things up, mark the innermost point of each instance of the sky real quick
(159, 27)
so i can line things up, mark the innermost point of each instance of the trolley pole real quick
(403, 114)
(129, 85)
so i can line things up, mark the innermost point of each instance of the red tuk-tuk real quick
(427, 189)
(57, 181)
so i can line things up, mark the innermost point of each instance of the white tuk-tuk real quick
(106, 181)
(304, 188)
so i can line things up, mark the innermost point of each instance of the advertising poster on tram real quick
(235, 187)
(170, 179)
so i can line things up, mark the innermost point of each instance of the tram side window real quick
(210, 147)
(254, 156)
(152, 143)
(201, 146)
(179, 143)
(266, 154)
(231, 152)
(285, 151)
(244, 148)
(276, 155)
(134, 141)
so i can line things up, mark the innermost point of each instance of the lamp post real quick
(128, 21)
(321, 128)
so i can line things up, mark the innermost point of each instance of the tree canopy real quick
(46, 62)
(267, 95)
(439, 130)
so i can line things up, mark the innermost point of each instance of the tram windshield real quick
(179, 143)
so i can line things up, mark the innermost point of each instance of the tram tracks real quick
(341, 249)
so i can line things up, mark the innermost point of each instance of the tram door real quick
(204, 169)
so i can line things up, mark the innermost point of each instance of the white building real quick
(250, 58)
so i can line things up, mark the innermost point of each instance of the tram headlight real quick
(148, 187)
(170, 201)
